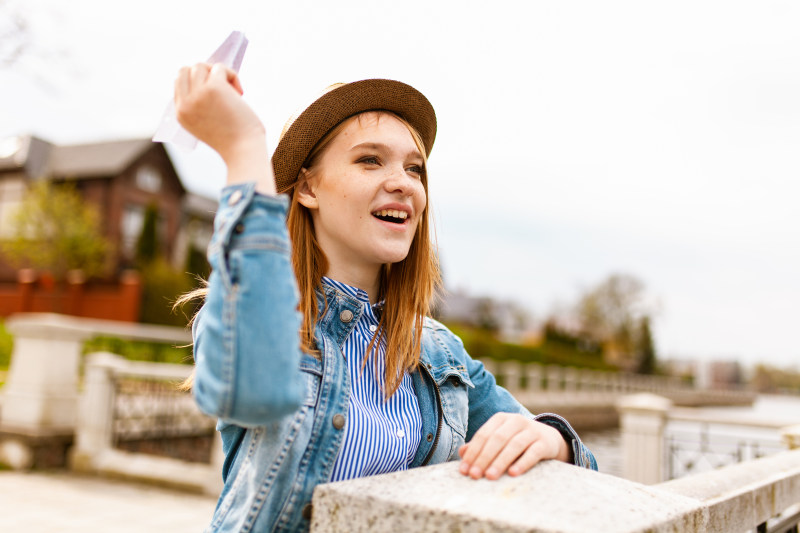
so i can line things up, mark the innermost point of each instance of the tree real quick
(611, 315)
(646, 352)
(15, 35)
(55, 231)
(147, 246)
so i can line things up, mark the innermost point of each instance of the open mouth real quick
(391, 215)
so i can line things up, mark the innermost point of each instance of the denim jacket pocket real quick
(311, 370)
(455, 403)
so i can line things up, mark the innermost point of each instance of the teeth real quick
(394, 213)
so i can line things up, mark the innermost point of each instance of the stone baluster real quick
(570, 379)
(533, 375)
(94, 431)
(512, 372)
(643, 419)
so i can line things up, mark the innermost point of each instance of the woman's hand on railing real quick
(511, 443)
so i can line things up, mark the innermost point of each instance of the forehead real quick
(378, 127)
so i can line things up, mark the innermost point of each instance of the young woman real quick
(313, 347)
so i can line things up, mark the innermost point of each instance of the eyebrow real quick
(384, 148)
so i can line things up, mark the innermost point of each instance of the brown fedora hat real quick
(339, 103)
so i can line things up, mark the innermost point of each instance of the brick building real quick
(121, 179)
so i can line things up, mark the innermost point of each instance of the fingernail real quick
(475, 472)
(491, 472)
(463, 467)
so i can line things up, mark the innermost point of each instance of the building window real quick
(132, 222)
(148, 179)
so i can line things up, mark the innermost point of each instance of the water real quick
(784, 410)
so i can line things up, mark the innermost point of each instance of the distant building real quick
(121, 179)
(507, 319)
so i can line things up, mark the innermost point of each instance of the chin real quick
(392, 257)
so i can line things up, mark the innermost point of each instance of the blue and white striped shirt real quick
(380, 436)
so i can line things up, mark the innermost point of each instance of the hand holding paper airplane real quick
(230, 53)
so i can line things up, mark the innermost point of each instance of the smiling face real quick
(366, 195)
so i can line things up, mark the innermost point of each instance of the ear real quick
(305, 190)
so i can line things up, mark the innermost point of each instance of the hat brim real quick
(341, 103)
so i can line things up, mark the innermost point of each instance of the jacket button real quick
(338, 421)
(238, 228)
(346, 316)
(429, 437)
(307, 508)
(234, 198)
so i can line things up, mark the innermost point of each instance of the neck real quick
(366, 278)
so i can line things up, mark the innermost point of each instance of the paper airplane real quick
(230, 53)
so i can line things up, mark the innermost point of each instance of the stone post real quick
(41, 391)
(94, 431)
(791, 436)
(643, 418)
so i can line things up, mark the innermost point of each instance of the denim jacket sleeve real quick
(246, 342)
(488, 398)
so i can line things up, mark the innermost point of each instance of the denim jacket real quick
(281, 411)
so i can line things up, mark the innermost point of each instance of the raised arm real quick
(246, 341)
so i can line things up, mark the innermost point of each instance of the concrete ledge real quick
(161, 471)
(553, 497)
(744, 493)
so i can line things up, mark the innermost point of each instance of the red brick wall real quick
(111, 301)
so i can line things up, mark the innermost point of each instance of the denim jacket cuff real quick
(581, 456)
(234, 202)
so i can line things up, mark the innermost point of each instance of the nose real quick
(398, 181)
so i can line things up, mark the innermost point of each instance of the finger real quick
(469, 452)
(182, 84)
(198, 75)
(530, 458)
(219, 70)
(510, 453)
(496, 442)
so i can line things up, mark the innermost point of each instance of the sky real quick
(576, 139)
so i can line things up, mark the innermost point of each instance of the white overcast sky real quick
(576, 138)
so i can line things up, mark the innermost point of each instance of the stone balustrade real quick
(40, 396)
(556, 497)
(643, 424)
(94, 450)
(523, 379)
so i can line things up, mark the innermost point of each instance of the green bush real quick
(482, 344)
(161, 287)
(6, 345)
(155, 352)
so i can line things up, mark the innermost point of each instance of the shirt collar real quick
(359, 294)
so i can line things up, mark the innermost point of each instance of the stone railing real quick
(647, 426)
(40, 397)
(558, 498)
(525, 379)
(131, 401)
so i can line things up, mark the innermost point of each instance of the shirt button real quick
(238, 228)
(400, 433)
(338, 421)
(307, 508)
(234, 198)
(346, 316)
(373, 328)
(429, 437)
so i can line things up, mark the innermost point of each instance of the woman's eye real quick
(415, 169)
(370, 160)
